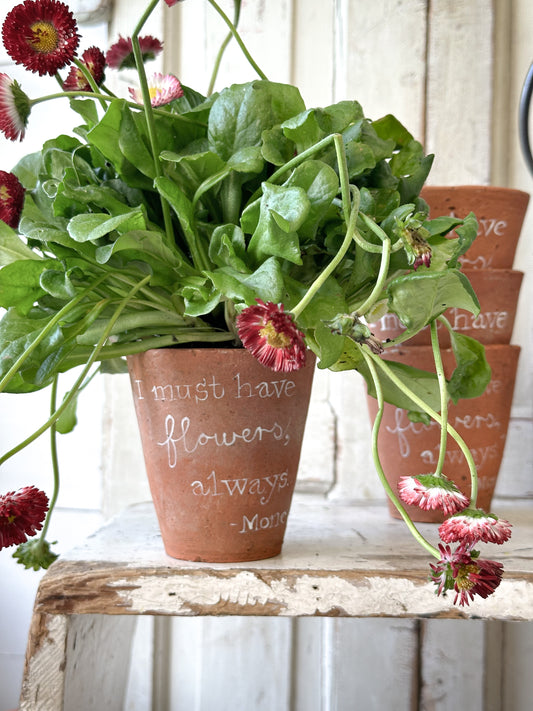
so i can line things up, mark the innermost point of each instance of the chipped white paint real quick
(312, 595)
(44, 677)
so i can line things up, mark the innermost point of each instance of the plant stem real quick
(216, 66)
(377, 461)
(443, 398)
(238, 39)
(45, 331)
(75, 388)
(382, 276)
(435, 416)
(55, 462)
(90, 79)
(149, 115)
(321, 278)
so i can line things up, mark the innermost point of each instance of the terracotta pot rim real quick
(485, 188)
(490, 271)
(487, 346)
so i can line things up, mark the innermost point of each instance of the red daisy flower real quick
(473, 525)
(21, 515)
(271, 336)
(11, 198)
(14, 108)
(466, 574)
(163, 89)
(428, 491)
(120, 54)
(94, 60)
(41, 35)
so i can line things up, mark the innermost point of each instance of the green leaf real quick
(283, 210)
(242, 112)
(422, 383)
(418, 298)
(90, 227)
(20, 283)
(472, 373)
(227, 248)
(106, 136)
(321, 185)
(12, 248)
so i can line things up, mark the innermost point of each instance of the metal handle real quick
(523, 119)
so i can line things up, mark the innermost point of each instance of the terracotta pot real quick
(499, 211)
(221, 436)
(497, 290)
(408, 448)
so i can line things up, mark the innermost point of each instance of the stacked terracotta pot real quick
(412, 448)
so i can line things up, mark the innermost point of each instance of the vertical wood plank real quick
(517, 678)
(371, 661)
(231, 663)
(459, 91)
(380, 58)
(313, 50)
(452, 659)
(97, 661)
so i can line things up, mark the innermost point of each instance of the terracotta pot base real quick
(408, 448)
(221, 436)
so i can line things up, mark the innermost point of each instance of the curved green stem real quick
(321, 278)
(375, 294)
(45, 331)
(216, 66)
(90, 79)
(149, 115)
(233, 31)
(443, 398)
(55, 461)
(377, 461)
(111, 97)
(467, 454)
(75, 388)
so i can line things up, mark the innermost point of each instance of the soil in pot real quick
(221, 436)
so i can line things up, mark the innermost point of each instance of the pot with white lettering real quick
(500, 213)
(410, 448)
(221, 437)
(498, 291)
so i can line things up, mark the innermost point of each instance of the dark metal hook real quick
(523, 119)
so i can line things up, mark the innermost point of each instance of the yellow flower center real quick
(273, 338)
(462, 580)
(4, 193)
(44, 37)
(152, 92)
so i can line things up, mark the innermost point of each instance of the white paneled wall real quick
(452, 72)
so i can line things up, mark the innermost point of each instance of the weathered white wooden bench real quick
(338, 560)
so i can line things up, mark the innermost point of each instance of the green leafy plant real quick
(158, 225)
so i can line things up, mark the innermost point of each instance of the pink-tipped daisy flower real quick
(120, 54)
(94, 61)
(14, 109)
(163, 88)
(465, 573)
(170, 3)
(21, 515)
(271, 336)
(11, 198)
(473, 525)
(429, 492)
(41, 35)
